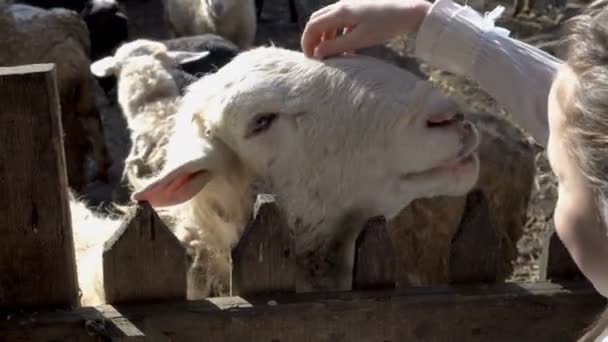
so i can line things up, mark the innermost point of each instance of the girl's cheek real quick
(563, 217)
(558, 218)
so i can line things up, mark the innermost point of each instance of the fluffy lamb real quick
(221, 51)
(234, 20)
(34, 35)
(148, 94)
(337, 141)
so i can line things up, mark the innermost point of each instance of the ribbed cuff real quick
(451, 35)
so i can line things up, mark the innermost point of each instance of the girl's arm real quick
(457, 39)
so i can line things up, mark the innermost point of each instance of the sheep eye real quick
(261, 123)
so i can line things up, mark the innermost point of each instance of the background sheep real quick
(234, 20)
(148, 96)
(33, 35)
(221, 51)
(325, 144)
(106, 22)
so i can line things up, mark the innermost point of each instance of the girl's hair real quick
(586, 49)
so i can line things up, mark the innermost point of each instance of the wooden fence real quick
(144, 267)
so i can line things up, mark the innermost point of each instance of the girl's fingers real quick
(329, 35)
(328, 21)
(345, 31)
(344, 43)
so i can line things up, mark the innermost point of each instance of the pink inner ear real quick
(173, 189)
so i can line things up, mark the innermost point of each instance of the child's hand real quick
(365, 23)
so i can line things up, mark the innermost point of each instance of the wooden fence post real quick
(475, 247)
(264, 259)
(374, 265)
(144, 261)
(37, 266)
(555, 262)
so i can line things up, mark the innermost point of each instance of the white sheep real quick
(33, 35)
(234, 20)
(337, 141)
(148, 96)
(90, 231)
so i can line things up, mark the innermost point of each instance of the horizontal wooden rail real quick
(505, 312)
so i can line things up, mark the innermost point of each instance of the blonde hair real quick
(586, 45)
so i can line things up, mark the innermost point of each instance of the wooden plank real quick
(374, 257)
(114, 326)
(505, 312)
(37, 265)
(475, 247)
(264, 259)
(555, 262)
(84, 324)
(144, 260)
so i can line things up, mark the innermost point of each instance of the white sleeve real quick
(458, 39)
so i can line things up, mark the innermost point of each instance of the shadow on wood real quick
(264, 259)
(374, 265)
(144, 260)
(37, 265)
(598, 331)
(475, 247)
(555, 262)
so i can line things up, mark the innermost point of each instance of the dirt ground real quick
(539, 27)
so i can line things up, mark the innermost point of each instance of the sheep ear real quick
(177, 185)
(183, 57)
(103, 67)
(183, 181)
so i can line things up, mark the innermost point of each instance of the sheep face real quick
(128, 53)
(337, 141)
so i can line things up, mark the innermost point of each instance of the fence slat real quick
(144, 260)
(555, 262)
(264, 259)
(374, 265)
(37, 265)
(475, 247)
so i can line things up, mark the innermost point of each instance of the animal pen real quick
(144, 267)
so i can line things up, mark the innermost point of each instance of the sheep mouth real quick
(465, 159)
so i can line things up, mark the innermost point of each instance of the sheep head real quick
(129, 53)
(337, 141)
(348, 132)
